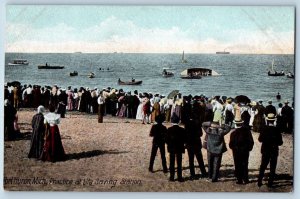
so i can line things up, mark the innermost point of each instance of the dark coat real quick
(158, 132)
(175, 139)
(241, 140)
(270, 109)
(270, 138)
(193, 136)
(37, 138)
(215, 138)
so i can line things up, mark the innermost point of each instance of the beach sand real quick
(114, 156)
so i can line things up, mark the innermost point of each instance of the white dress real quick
(139, 112)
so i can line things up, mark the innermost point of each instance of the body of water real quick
(240, 74)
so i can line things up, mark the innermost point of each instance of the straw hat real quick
(240, 121)
(253, 103)
(271, 117)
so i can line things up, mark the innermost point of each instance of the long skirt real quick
(53, 149)
(100, 113)
(139, 112)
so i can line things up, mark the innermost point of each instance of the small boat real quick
(223, 52)
(18, 62)
(183, 60)
(91, 75)
(273, 72)
(132, 82)
(47, 66)
(197, 73)
(290, 75)
(166, 73)
(75, 73)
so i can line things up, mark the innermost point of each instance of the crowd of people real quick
(146, 106)
(216, 116)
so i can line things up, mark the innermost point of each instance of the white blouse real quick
(52, 119)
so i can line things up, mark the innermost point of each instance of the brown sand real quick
(114, 156)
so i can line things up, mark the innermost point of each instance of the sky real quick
(150, 29)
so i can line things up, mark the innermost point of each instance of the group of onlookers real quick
(179, 139)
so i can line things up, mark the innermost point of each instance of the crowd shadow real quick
(93, 153)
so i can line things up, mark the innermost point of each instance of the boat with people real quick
(48, 66)
(197, 73)
(18, 62)
(290, 75)
(91, 75)
(273, 72)
(74, 73)
(132, 82)
(166, 73)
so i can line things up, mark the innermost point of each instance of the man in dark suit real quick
(241, 143)
(288, 117)
(158, 132)
(270, 109)
(175, 140)
(270, 138)
(194, 145)
(215, 147)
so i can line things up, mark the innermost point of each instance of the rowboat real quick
(166, 73)
(75, 73)
(129, 83)
(91, 75)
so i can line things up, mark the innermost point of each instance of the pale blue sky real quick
(150, 29)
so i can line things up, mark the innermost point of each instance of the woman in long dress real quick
(139, 112)
(38, 133)
(53, 148)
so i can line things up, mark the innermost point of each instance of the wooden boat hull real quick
(190, 77)
(50, 67)
(73, 74)
(275, 75)
(12, 64)
(130, 83)
(168, 74)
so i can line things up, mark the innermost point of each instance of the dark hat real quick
(175, 119)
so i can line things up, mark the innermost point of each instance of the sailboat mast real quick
(183, 56)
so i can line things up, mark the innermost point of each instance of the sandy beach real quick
(114, 156)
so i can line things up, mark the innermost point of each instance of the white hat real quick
(41, 109)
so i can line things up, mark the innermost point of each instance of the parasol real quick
(242, 99)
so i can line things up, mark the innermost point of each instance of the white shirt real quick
(52, 119)
(100, 100)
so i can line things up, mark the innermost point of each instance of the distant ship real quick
(223, 52)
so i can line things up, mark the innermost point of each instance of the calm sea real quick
(240, 74)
